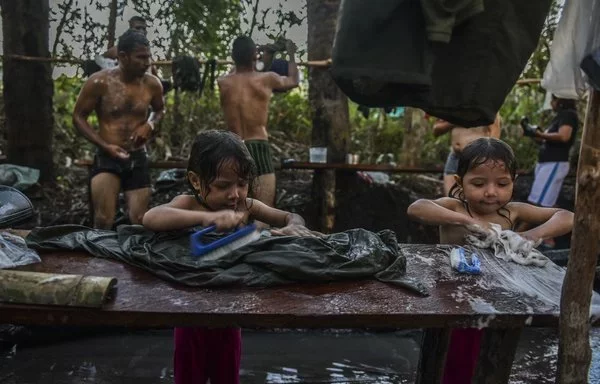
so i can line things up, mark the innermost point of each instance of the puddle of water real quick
(268, 357)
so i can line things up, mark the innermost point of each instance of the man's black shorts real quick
(134, 171)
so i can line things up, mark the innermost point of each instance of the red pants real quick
(205, 353)
(463, 353)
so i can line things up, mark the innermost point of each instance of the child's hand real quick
(479, 227)
(295, 230)
(227, 219)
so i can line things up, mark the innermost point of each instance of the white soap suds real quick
(510, 246)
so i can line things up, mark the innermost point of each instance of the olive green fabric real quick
(23, 287)
(269, 261)
(441, 16)
(260, 150)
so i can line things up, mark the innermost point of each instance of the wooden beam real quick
(69, 60)
(369, 167)
(574, 353)
(528, 81)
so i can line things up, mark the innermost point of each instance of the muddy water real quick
(268, 357)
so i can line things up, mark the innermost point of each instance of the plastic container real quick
(318, 154)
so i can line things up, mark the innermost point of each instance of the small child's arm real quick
(439, 212)
(291, 224)
(179, 214)
(552, 221)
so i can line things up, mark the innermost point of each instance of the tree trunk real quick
(415, 127)
(112, 23)
(28, 86)
(574, 353)
(329, 106)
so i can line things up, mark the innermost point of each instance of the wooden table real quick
(496, 301)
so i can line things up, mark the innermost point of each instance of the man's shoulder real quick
(225, 78)
(100, 75)
(150, 79)
(99, 80)
(248, 78)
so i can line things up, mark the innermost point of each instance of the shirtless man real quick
(245, 96)
(460, 137)
(121, 98)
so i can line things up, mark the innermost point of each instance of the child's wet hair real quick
(479, 152)
(212, 150)
(483, 150)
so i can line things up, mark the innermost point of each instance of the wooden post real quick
(112, 24)
(574, 353)
(28, 86)
(496, 355)
(432, 360)
(415, 128)
(329, 106)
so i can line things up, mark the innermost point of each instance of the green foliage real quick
(289, 113)
(208, 26)
(67, 141)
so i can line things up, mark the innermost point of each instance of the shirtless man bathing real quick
(245, 96)
(121, 98)
(460, 137)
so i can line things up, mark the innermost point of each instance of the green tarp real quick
(350, 255)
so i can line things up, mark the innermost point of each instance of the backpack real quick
(186, 74)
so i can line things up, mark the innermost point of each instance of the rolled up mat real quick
(22, 287)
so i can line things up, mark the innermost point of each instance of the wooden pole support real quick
(574, 353)
(432, 360)
(496, 355)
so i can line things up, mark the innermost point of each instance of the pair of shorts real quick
(451, 166)
(260, 150)
(134, 172)
(203, 354)
(549, 177)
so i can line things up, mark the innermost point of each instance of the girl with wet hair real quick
(221, 174)
(482, 196)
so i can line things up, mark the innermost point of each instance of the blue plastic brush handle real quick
(199, 248)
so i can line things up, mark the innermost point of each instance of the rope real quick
(312, 63)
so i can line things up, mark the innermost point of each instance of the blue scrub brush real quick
(223, 246)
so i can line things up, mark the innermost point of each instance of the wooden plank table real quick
(367, 167)
(503, 300)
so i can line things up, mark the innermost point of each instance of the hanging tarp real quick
(393, 54)
(577, 35)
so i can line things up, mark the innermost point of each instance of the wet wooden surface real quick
(506, 295)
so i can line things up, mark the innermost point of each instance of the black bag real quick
(90, 67)
(15, 207)
(186, 74)
(591, 66)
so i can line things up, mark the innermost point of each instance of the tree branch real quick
(61, 26)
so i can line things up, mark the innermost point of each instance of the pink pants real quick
(463, 353)
(205, 353)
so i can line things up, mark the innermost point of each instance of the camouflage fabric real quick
(54, 289)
